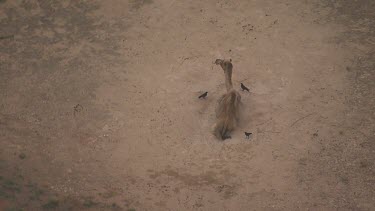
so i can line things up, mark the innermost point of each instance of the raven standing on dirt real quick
(247, 134)
(243, 87)
(204, 95)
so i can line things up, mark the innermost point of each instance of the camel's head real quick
(225, 64)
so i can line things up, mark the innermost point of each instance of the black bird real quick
(247, 134)
(243, 87)
(204, 95)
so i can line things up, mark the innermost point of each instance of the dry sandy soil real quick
(99, 107)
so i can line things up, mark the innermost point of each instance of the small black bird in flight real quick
(243, 87)
(204, 95)
(247, 134)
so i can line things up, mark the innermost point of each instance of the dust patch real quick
(337, 171)
(209, 179)
(137, 4)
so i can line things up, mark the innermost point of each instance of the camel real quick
(228, 108)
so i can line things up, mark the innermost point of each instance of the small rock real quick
(22, 156)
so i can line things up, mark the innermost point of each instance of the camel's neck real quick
(228, 80)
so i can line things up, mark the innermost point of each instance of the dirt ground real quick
(99, 105)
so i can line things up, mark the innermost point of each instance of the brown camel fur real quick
(227, 111)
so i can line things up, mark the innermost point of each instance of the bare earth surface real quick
(99, 105)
